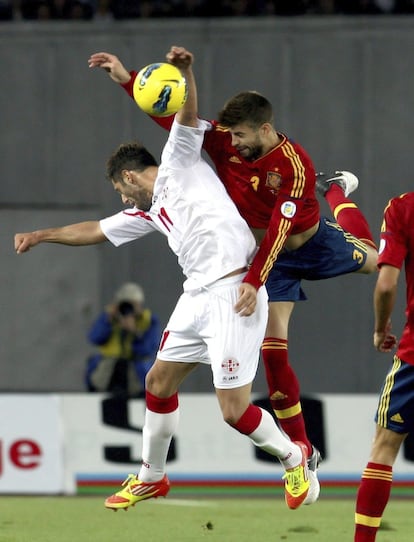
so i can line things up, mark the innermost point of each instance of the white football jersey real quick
(192, 208)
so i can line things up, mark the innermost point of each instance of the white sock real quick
(156, 438)
(270, 438)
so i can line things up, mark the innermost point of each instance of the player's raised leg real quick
(259, 426)
(283, 387)
(336, 188)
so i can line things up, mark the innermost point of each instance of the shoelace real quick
(295, 478)
(129, 480)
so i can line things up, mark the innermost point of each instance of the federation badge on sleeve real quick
(288, 209)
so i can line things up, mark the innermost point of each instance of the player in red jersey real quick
(272, 181)
(395, 413)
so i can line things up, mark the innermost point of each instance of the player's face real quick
(247, 141)
(134, 194)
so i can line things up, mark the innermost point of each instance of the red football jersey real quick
(397, 249)
(275, 192)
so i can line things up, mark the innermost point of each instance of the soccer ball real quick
(160, 89)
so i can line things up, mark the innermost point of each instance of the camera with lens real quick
(125, 308)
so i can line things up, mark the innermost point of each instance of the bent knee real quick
(231, 419)
(232, 415)
(152, 382)
(386, 445)
(158, 386)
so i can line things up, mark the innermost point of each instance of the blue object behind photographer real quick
(127, 335)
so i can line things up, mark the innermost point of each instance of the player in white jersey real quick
(189, 206)
(218, 319)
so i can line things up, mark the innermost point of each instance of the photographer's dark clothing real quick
(124, 358)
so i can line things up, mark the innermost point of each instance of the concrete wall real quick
(341, 86)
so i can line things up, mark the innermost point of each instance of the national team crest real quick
(273, 181)
(230, 366)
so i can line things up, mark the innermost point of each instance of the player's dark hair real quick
(248, 107)
(133, 156)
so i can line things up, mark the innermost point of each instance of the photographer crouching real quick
(127, 336)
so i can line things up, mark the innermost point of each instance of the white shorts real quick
(204, 328)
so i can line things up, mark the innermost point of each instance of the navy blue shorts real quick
(396, 403)
(329, 253)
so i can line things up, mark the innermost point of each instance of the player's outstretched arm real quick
(111, 64)
(183, 60)
(82, 233)
(118, 73)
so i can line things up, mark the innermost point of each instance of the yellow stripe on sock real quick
(288, 412)
(375, 474)
(342, 207)
(368, 521)
(274, 345)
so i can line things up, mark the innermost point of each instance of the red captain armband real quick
(129, 87)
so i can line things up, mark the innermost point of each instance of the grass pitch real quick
(84, 519)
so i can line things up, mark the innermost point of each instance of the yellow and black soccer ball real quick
(160, 89)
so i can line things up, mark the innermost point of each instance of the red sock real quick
(162, 406)
(348, 216)
(284, 391)
(249, 421)
(373, 495)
